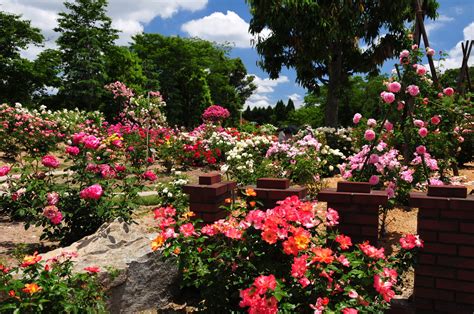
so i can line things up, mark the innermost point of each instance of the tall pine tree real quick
(86, 37)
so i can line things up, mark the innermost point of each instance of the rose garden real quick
(128, 213)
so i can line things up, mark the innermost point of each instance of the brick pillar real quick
(358, 208)
(206, 198)
(444, 276)
(271, 190)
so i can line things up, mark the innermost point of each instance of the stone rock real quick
(136, 277)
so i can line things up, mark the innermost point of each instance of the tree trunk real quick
(334, 88)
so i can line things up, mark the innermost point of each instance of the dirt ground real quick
(15, 240)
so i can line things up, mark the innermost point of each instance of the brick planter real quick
(358, 208)
(444, 276)
(206, 198)
(271, 190)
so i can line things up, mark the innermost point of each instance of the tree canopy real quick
(321, 39)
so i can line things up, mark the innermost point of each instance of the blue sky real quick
(227, 20)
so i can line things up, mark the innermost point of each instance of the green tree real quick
(290, 106)
(19, 78)
(279, 113)
(320, 39)
(187, 69)
(85, 39)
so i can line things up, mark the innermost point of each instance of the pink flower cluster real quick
(50, 161)
(411, 241)
(53, 214)
(4, 170)
(215, 113)
(384, 282)
(255, 297)
(93, 192)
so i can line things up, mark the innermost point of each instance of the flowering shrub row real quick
(232, 261)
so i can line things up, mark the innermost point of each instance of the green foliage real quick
(320, 39)
(192, 74)
(85, 39)
(310, 115)
(49, 288)
(21, 78)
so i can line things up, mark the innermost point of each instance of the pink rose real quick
(349, 310)
(91, 142)
(388, 126)
(371, 122)
(418, 123)
(50, 161)
(400, 105)
(356, 118)
(150, 175)
(388, 97)
(413, 90)
(4, 170)
(52, 198)
(435, 120)
(448, 91)
(53, 214)
(187, 229)
(72, 150)
(405, 53)
(430, 51)
(374, 180)
(394, 87)
(421, 150)
(423, 132)
(420, 70)
(369, 135)
(78, 137)
(414, 47)
(373, 159)
(93, 192)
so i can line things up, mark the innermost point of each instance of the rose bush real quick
(232, 261)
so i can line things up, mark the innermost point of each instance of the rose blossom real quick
(394, 87)
(371, 123)
(52, 198)
(91, 142)
(149, 175)
(388, 97)
(369, 135)
(448, 91)
(388, 126)
(421, 150)
(430, 51)
(72, 150)
(400, 105)
(418, 123)
(413, 90)
(4, 170)
(50, 161)
(356, 118)
(423, 132)
(420, 70)
(374, 180)
(92, 192)
(435, 120)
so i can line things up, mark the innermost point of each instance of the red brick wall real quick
(444, 276)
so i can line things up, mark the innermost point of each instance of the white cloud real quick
(260, 97)
(454, 58)
(440, 22)
(297, 100)
(127, 16)
(222, 28)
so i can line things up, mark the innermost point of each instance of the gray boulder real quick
(136, 277)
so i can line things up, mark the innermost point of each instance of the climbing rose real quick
(430, 51)
(4, 170)
(356, 118)
(388, 97)
(420, 70)
(371, 122)
(93, 192)
(50, 161)
(423, 132)
(215, 113)
(52, 198)
(418, 123)
(394, 87)
(413, 90)
(187, 229)
(349, 311)
(369, 135)
(449, 91)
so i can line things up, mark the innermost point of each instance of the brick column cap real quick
(273, 183)
(211, 190)
(422, 200)
(457, 191)
(210, 178)
(333, 196)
